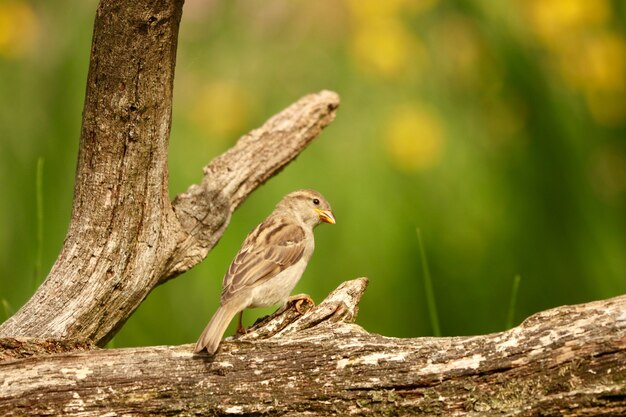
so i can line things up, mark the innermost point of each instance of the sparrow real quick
(269, 263)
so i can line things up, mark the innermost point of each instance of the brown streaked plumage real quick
(270, 261)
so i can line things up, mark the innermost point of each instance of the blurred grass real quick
(37, 278)
(512, 302)
(428, 289)
(6, 309)
(498, 127)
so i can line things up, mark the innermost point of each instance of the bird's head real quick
(308, 205)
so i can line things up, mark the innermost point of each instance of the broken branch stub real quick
(340, 306)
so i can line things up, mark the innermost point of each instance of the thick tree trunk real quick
(570, 361)
(126, 237)
(121, 218)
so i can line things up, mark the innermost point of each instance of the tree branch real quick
(567, 361)
(204, 210)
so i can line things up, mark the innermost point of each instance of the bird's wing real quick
(272, 247)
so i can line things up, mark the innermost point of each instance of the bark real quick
(125, 237)
(569, 361)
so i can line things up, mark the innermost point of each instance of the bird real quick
(269, 263)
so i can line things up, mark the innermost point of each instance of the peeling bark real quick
(569, 361)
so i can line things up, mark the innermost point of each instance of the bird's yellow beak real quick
(326, 216)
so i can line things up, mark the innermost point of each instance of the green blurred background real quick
(496, 128)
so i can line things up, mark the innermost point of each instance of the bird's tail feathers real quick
(212, 335)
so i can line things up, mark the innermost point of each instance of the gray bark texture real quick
(126, 237)
(569, 361)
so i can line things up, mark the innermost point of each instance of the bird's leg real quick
(299, 299)
(240, 328)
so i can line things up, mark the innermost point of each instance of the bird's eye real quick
(316, 201)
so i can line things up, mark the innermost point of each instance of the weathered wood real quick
(569, 361)
(125, 237)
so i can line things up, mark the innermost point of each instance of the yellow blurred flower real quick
(368, 10)
(381, 43)
(18, 28)
(555, 20)
(222, 108)
(595, 62)
(590, 57)
(603, 68)
(386, 48)
(596, 65)
(414, 138)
